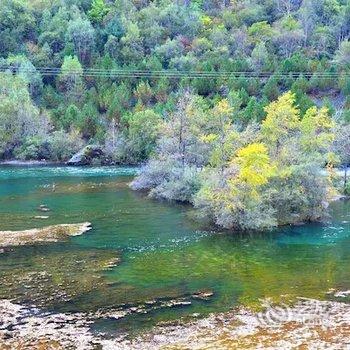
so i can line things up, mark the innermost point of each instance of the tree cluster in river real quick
(254, 177)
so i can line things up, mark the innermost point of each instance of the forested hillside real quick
(50, 108)
(240, 102)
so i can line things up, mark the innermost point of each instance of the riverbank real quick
(15, 162)
(308, 324)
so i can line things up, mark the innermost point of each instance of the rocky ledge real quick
(309, 324)
(53, 233)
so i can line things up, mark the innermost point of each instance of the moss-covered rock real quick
(89, 155)
(53, 233)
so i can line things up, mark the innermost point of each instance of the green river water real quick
(164, 254)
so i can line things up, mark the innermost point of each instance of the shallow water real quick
(163, 253)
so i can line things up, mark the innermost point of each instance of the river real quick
(166, 265)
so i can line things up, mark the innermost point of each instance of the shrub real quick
(33, 148)
(63, 145)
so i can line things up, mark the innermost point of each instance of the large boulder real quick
(87, 156)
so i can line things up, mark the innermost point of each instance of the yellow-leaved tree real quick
(317, 130)
(234, 197)
(255, 166)
(281, 122)
(225, 136)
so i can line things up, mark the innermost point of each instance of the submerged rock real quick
(53, 233)
(203, 295)
(55, 277)
(342, 294)
(146, 307)
(43, 208)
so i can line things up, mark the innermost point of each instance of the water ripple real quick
(19, 172)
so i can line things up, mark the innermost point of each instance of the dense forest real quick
(239, 107)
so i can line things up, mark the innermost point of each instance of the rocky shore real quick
(309, 324)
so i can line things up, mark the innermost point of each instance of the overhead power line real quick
(130, 73)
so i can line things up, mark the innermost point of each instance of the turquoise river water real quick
(164, 254)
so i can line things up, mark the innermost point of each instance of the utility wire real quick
(130, 73)
(162, 72)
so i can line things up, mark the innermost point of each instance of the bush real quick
(142, 134)
(168, 180)
(181, 186)
(63, 145)
(152, 175)
(33, 148)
